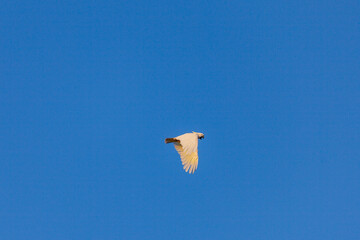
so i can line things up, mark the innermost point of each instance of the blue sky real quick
(90, 89)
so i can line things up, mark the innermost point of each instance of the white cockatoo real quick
(187, 145)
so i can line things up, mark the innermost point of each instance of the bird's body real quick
(186, 145)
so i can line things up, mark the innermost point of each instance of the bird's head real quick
(200, 135)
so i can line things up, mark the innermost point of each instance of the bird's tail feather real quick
(171, 140)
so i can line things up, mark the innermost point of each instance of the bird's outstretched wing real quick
(187, 148)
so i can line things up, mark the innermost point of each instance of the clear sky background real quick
(89, 90)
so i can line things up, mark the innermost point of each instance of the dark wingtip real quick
(171, 140)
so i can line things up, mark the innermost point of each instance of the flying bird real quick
(186, 145)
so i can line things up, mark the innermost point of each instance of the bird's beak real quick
(201, 137)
